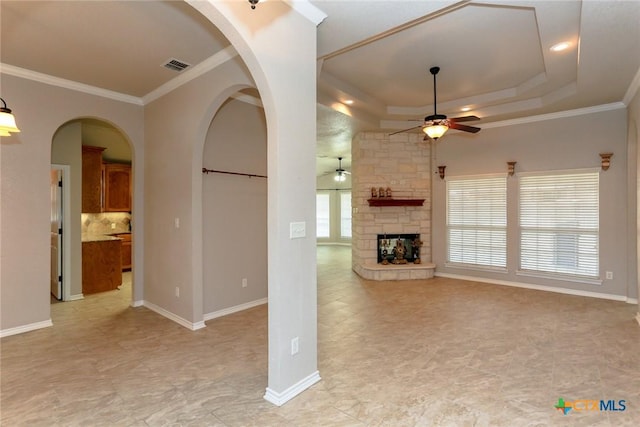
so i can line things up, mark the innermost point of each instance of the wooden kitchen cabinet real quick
(101, 265)
(92, 179)
(126, 250)
(117, 187)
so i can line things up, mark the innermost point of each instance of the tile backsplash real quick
(105, 223)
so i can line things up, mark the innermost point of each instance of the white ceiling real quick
(494, 56)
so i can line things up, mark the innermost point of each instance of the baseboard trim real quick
(171, 316)
(76, 297)
(137, 303)
(280, 399)
(25, 328)
(566, 291)
(234, 309)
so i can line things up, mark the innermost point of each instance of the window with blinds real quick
(477, 221)
(345, 214)
(323, 215)
(559, 223)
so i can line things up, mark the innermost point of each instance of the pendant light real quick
(7, 121)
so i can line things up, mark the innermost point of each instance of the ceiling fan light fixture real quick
(340, 177)
(253, 3)
(7, 120)
(435, 131)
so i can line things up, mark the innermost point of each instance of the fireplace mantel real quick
(395, 202)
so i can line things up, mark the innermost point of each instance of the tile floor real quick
(440, 352)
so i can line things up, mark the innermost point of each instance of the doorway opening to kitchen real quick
(96, 194)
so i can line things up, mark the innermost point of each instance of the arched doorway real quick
(234, 195)
(84, 222)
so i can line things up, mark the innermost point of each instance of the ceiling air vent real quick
(175, 64)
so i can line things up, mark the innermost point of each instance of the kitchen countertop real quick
(98, 237)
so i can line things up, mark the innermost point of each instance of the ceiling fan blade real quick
(405, 130)
(346, 172)
(465, 119)
(464, 128)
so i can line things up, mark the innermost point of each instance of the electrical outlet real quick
(176, 222)
(177, 291)
(244, 282)
(609, 275)
(295, 345)
(113, 225)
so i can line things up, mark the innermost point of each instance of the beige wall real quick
(634, 140)
(25, 161)
(174, 150)
(558, 144)
(235, 208)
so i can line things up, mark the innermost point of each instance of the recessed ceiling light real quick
(348, 101)
(560, 46)
(465, 109)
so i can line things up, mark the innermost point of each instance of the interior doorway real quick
(69, 235)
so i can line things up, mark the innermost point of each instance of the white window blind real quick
(323, 213)
(477, 221)
(345, 214)
(559, 223)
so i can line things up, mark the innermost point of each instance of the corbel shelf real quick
(395, 202)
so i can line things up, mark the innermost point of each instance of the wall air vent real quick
(175, 64)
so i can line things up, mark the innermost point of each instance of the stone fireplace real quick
(402, 164)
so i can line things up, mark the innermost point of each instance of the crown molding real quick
(633, 89)
(556, 115)
(308, 10)
(208, 64)
(68, 84)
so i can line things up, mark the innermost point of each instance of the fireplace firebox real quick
(399, 248)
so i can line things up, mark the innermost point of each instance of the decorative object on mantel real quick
(511, 168)
(441, 171)
(381, 193)
(606, 160)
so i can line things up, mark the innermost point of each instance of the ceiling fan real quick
(341, 174)
(436, 125)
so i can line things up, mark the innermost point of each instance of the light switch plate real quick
(297, 230)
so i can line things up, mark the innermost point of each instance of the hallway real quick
(440, 352)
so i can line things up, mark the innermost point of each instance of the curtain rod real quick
(207, 171)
